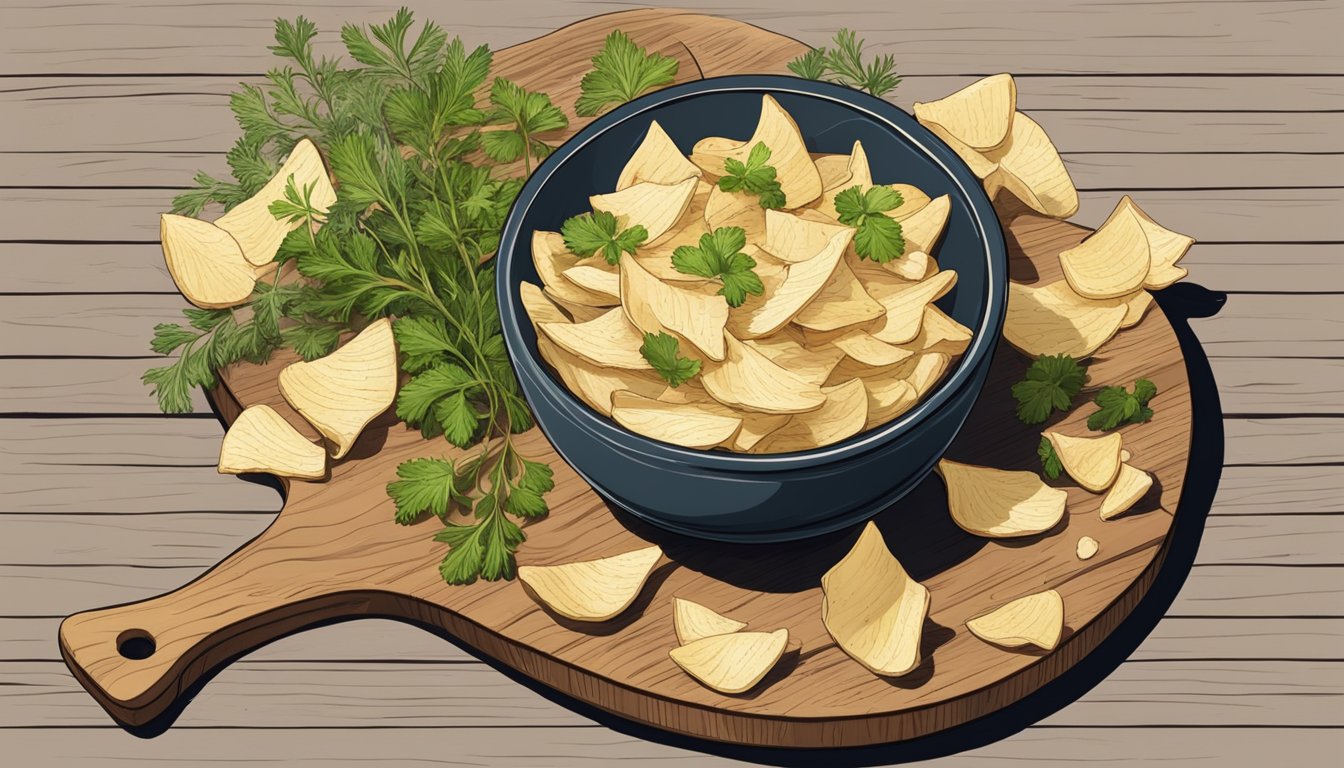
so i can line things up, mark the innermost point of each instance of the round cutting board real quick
(334, 551)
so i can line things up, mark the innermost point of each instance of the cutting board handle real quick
(137, 658)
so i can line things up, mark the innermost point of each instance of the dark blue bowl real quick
(743, 497)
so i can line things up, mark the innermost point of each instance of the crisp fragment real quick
(913, 200)
(1032, 620)
(999, 503)
(842, 416)
(551, 259)
(594, 590)
(251, 222)
(595, 384)
(812, 363)
(1165, 248)
(912, 266)
(748, 379)
(732, 663)
(794, 169)
(926, 370)
(802, 283)
(735, 209)
(980, 165)
(1061, 295)
(922, 228)
(1093, 461)
(608, 340)
(1130, 485)
(873, 609)
(793, 238)
(342, 392)
(1039, 323)
(857, 174)
(1030, 168)
(862, 346)
(888, 397)
(1112, 261)
(205, 261)
(978, 115)
(656, 207)
(686, 424)
(694, 621)
(595, 279)
(755, 425)
(1087, 547)
(692, 311)
(904, 315)
(841, 302)
(260, 440)
(656, 159)
(940, 333)
(539, 307)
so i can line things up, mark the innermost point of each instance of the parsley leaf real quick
(529, 113)
(621, 72)
(719, 255)
(664, 354)
(591, 233)
(1118, 406)
(1051, 383)
(844, 64)
(427, 485)
(754, 177)
(879, 236)
(1051, 466)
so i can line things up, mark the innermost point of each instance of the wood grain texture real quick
(356, 563)
(191, 114)
(970, 37)
(575, 747)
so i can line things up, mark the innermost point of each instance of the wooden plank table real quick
(1223, 120)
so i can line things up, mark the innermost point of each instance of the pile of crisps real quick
(835, 344)
(1107, 277)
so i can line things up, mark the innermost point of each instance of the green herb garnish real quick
(1051, 466)
(879, 236)
(411, 234)
(664, 354)
(1118, 406)
(720, 256)
(844, 64)
(754, 177)
(621, 72)
(528, 113)
(598, 232)
(1051, 383)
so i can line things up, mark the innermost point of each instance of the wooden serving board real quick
(334, 551)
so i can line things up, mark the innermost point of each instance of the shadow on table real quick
(1180, 303)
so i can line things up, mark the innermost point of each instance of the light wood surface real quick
(150, 478)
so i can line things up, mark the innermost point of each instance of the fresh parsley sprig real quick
(622, 71)
(719, 256)
(1050, 384)
(878, 236)
(844, 64)
(1051, 466)
(409, 236)
(1117, 406)
(529, 113)
(663, 352)
(754, 177)
(599, 232)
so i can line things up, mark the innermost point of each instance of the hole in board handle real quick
(135, 644)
